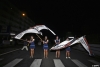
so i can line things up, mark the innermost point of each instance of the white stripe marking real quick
(95, 62)
(13, 63)
(9, 52)
(58, 63)
(36, 63)
(78, 63)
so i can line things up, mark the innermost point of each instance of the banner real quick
(84, 44)
(71, 42)
(41, 27)
(20, 35)
(61, 45)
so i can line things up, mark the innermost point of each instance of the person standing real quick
(45, 47)
(68, 50)
(57, 41)
(32, 46)
(25, 45)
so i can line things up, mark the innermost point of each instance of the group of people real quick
(45, 47)
(57, 41)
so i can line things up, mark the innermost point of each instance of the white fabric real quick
(61, 45)
(84, 44)
(79, 40)
(20, 35)
(76, 41)
(40, 27)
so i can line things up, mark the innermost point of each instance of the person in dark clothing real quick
(68, 50)
(57, 41)
(32, 46)
(45, 47)
(25, 45)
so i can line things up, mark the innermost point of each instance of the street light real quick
(23, 14)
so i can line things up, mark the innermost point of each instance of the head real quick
(32, 37)
(45, 37)
(67, 39)
(56, 37)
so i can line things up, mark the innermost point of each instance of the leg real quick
(32, 53)
(26, 48)
(68, 53)
(58, 53)
(23, 47)
(46, 53)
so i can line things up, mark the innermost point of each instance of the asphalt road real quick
(15, 57)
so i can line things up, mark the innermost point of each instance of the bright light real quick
(12, 33)
(11, 40)
(70, 37)
(23, 14)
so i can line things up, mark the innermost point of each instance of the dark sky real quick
(78, 17)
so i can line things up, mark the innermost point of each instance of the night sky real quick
(78, 17)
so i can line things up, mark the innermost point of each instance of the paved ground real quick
(15, 57)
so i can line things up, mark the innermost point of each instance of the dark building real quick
(12, 20)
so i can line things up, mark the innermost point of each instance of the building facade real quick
(12, 20)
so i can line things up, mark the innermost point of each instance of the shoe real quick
(30, 57)
(66, 57)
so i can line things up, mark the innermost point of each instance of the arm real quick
(46, 41)
(59, 40)
(55, 41)
(43, 42)
(31, 41)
